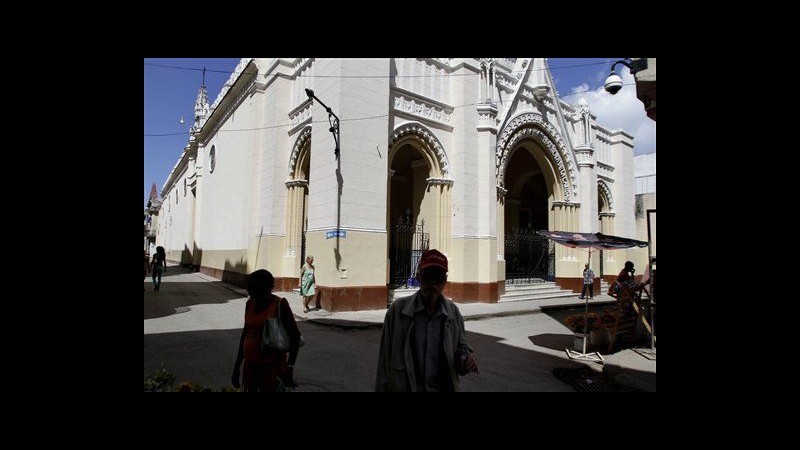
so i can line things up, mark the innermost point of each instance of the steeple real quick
(153, 193)
(201, 106)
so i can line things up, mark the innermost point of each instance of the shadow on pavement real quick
(164, 302)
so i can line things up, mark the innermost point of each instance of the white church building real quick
(468, 156)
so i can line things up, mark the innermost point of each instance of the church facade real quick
(364, 163)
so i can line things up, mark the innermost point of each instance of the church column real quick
(294, 215)
(501, 222)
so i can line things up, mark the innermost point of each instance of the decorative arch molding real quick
(424, 135)
(603, 188)
(304, 137)
(532, 125)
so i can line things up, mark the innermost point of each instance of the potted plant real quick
(576, 323)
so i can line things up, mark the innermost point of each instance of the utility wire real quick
(348, 120)
(377, 76)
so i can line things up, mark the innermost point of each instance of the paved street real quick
(193, 325)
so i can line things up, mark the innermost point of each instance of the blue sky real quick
(170, 93)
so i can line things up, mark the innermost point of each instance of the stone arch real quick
(606, 198)
(430, 146)
(531, 125)
(295, 159)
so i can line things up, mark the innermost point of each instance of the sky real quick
(171, 86)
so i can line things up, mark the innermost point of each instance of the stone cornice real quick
(467, 63)
(295, 183)
(605, 166)
(607, 214)
(225, 105)
(439, 182)
(442, 63)
(561, 204)
(487, 117)
(300, 116)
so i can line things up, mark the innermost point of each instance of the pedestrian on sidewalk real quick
(308, 284)
(263, 367)
(430, 328)
(159, 266)
(588, 281)
(146, 266)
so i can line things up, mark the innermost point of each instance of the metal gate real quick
(408, 243)
(530, 258)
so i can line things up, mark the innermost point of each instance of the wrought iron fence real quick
(408, 243)
(530, 258)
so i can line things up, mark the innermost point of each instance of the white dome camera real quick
(613, 83)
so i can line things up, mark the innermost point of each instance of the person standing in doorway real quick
(423, 345)
(158, 266)
(588, 281)
(308, 284)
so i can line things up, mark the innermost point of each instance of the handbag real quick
(274, 336)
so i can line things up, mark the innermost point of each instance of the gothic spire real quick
(201, 105)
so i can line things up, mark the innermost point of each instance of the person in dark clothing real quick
(423, 346)
(264, 367)
(158, 266)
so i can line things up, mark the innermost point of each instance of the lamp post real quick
(333, 120)
(614, 82)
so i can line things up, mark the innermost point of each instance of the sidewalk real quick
(470, 311)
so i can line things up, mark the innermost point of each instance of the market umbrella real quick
(599, 241)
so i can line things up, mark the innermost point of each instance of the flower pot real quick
(578, 344)
(597, 337)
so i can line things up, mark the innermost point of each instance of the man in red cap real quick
(424, 346)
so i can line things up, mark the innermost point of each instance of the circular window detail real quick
(212, 158)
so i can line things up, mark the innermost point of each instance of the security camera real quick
(613, 83)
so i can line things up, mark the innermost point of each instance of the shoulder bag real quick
(274, 335)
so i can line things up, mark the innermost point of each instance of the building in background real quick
(469, 156)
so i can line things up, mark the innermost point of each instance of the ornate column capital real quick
(294, 183)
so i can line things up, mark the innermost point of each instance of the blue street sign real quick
(333, 234)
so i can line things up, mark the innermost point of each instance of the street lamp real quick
(333, 120)
(614, 82)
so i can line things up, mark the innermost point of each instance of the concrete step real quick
(539, 296)
(400, 293)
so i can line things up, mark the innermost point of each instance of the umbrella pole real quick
(594, 356)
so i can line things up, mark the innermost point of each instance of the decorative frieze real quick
(300, 115)
(423, 109)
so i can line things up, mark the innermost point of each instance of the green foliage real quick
(162, 380)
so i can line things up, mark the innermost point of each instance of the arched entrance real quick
(528, 255)
(534, 166)
(297, 199)
(605, 217)
(418, 208)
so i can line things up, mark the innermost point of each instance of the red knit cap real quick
(432, 258)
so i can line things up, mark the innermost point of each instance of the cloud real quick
(620, 111)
